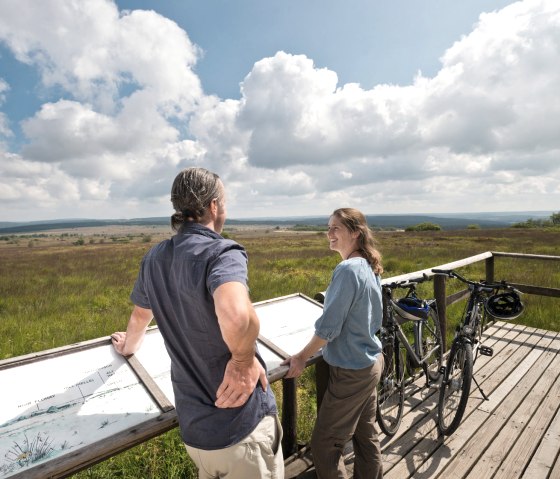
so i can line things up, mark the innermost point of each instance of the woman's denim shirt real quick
(352, 314)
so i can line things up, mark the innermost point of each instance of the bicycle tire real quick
(390, 390)
(455, 388)
(431, 338)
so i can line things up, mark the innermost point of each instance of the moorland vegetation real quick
(56, 290)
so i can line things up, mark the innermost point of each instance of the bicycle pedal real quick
(442, 370)
(485, 351)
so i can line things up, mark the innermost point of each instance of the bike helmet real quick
(505, 306)
(412, 308)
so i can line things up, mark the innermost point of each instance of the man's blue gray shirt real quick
(177, 280)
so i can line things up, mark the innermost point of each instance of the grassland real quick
(71, 286)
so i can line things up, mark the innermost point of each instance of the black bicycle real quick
(499, 300)
(408, 319)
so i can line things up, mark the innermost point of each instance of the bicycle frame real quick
(418, 323)
(472, 323)
(393, 326)
(426, 352)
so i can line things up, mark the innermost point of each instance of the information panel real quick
(64, 400)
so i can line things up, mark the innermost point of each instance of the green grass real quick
(54, 294)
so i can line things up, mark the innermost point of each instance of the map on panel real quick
(61, 404)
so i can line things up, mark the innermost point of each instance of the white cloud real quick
(5, 130)
(90, 144)
(126, 111)
(496, 90)
(93, 52)
(32, 186)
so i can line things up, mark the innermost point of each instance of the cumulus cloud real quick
(489, 111)
(5, 130)
(126, 111)
(126, 84)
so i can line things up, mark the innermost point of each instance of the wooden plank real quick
(499, 394)
(526, 256)
(441, 452)
(543, 459)
(270, 345)
(419, 418)
(488, 425)
(456, 297)
(453, 265)
(511, 430)
(60, 351)
(555, 472)
(289, 416)
(418, 445)
(53, 353)
(542, 412)
(538, 290)
(298, 464)
(490, 269)
(157, 394)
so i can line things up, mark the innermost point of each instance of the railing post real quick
(321, 380)
(490, 269)
(289, 416)
(441, 303)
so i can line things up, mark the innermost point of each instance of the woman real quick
(346, 331)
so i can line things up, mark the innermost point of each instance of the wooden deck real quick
(516, 434)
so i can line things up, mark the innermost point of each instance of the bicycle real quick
(425, 352)
(484, 299)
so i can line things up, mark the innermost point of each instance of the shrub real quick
(424, 227)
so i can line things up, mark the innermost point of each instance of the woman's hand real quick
(296, 364)
(297, 361)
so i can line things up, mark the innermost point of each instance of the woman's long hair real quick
(354, 220)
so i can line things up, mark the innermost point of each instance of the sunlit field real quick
(60, 289)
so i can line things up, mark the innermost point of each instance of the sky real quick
(301, 106)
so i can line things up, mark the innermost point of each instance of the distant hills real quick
(446, 221)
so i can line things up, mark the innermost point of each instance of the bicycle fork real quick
(484, 351)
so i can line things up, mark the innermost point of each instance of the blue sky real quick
(300, 106)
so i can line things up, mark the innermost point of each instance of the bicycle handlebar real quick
(407, 283)
(453, 274)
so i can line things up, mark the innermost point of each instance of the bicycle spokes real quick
(390, 391)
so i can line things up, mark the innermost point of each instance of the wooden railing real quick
(295, 454)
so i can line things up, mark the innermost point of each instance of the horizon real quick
(463, 215)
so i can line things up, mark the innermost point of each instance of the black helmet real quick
(505, 306)
(412, 308)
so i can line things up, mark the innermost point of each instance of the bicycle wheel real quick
(390, 391)
(431, 345)
(455, 388)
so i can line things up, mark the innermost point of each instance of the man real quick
(195, 287)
